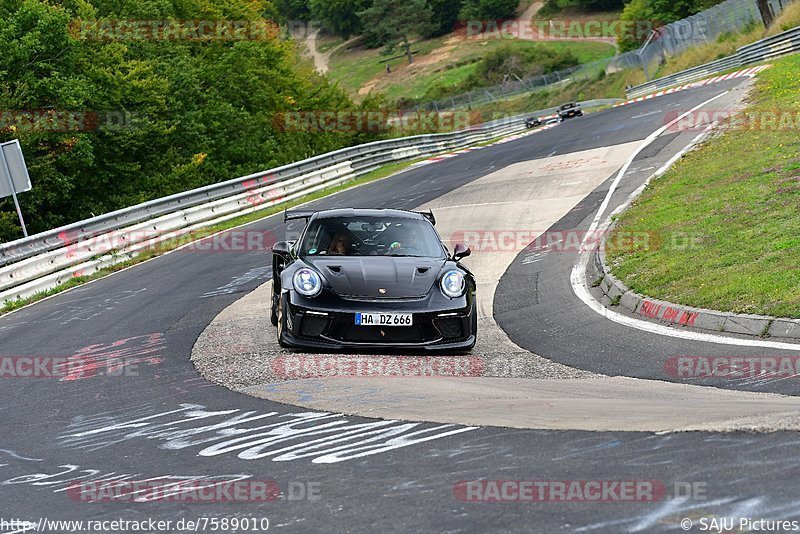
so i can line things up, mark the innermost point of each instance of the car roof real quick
(363, 212)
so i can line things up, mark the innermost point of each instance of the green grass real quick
(354, 68)
(167, 245)
(327, 42)
(609, 86)
(417, 86)
(725, 218)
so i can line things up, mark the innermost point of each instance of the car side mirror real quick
(281, 247)
(281, 256)
(461, 251)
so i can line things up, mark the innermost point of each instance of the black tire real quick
(474, 328)
(281, 322)
(273, 316)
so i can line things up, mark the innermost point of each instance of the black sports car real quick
(532, 122)
(372, 278)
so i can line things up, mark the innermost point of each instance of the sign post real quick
(15, 177)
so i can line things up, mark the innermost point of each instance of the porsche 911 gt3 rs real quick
(372, 278)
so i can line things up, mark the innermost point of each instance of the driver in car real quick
(408, 245)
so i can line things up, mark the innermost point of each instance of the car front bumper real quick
(328, 322)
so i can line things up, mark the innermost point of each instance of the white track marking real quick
(578, 276)
(647, 142)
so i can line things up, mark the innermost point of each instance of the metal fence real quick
(45, 260)
(703, 28)
(778, 45)
(585, 71)
(700, 29)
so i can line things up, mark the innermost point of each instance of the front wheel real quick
(281, 321)
(273, 316)
(474, 328)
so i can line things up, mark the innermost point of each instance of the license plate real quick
(384, 319)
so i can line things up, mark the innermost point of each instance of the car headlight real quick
(307, 282)
(453, 284)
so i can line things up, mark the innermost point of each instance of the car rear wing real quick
(297, 214)
(428, 215)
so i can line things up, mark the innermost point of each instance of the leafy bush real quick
(444, 16)
(488, 9)
(657, 13)
(339, 17)
(194, 112)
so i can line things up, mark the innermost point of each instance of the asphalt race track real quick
(154, 418)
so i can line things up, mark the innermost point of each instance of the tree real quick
(656, 13)
(162, 115)
(339, 16)
(489, 9)
(293, 9)
(601, 5)
(444, 15)
(392, 22)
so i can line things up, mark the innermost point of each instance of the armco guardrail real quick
(778, 45)
(45, 260)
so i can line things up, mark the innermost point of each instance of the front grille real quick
(385, 334)
(312, 325)
(450, 327)
(421, 332)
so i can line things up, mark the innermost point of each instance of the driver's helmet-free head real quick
(404, 238)
(340, 244)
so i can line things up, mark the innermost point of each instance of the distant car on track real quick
(372, 278)
(554, 120)
(567, 111)
(533, 122)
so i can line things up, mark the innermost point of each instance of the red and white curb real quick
(738, 74)
(448, 155)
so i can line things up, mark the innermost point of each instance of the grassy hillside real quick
(441, 62)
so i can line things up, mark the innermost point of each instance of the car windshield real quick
(371, 236)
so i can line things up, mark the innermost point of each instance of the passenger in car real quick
(340, 245)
